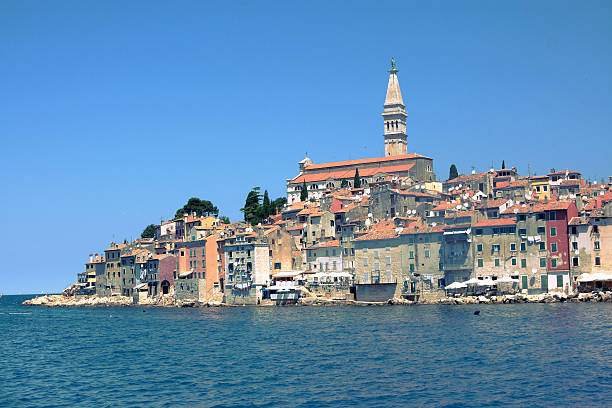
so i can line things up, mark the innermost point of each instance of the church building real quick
(396, 163)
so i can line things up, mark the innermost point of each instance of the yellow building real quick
(540, 187)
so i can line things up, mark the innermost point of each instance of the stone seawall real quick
(168, 301)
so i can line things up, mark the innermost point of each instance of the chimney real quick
(90, 257)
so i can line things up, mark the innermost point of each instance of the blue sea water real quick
(527, 355)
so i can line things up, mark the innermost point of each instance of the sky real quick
(114, 113)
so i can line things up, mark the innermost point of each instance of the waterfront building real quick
(496, 246)
(248, 268)
(325, 257)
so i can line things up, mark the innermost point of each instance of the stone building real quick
(247, 260)
(113, 269)
(396, 163)
(325, 257)
(496, 246)
(389, 203)
(457, 255)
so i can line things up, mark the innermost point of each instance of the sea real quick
(521, 355)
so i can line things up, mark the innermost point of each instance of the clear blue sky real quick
(113, 113)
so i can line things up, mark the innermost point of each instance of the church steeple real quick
(394, 116)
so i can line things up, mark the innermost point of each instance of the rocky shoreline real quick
(171, 302)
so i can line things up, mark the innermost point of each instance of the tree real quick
(252, 209)
(356, 179)
(266, 208)
(453, 173)
(344, 183)
(503, 164)
(197, 206)
(278, 204)
(224, 219)
(148, 232)
(304, 192)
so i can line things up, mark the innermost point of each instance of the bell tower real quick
(394, 116)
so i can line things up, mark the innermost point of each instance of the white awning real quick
(185, 274)
(456, 285)
(467, 231)
(287, 274)
(594, 277)
(140, 285)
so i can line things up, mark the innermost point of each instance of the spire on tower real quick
(394, 95)
(394, 116)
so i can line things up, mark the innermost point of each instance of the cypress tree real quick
(356, 179)
(304, 192)
(267, 210)
(453, 173)
(503, 164)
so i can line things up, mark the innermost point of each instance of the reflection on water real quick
(510, 355)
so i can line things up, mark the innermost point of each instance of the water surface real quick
(427, 356)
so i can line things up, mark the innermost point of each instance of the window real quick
(479, 247)
(377, 266)
(411, 254)
(495, 231)
(553, 231)
(575, 261)
(388, 260)
(540, 216)
(496, 261)
(597, 261)
(574, 246)
(376, 254)
(513, 261)
(478, 232)
(552, 216)
(542, 246)
(523, 263)
(365, 261)
(542, 262)
(596, 245)
(427, 253)
(411, 267)
(513, 246)
(522, 231)
(388, 249)
(541, 230)
(523, 247)
(479, 262)
(495, 248)
(553, 263)
(574, 231)
(522, 217)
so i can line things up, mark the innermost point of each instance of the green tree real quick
(148, 232)
(224, 219)
(453, 173)
(278, 204)
(266, 205)
(356, 179)
(304, 192)
(503, 164)
(344, 183)
(252, 208)
(197, 206)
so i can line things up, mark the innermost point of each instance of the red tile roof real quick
(495, 222)
(382, 230)
(365, 161)
(349, 174)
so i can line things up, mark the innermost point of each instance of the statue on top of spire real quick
(392, 63)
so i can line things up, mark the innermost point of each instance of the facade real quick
(394, 117)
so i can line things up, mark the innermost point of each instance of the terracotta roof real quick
(329, 244)
(569, 182)
(365, 161)
(537, 207)
(444, 205)
(578, 221)
(493, 203)
(349, 174)
(459, 214)
(495, 222)
(501, 184)
(562, 173)
(412, 193)
(382, 230)
(466, 177)
(118, 247)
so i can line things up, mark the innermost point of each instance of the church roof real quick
(372, 160)
(349, 174)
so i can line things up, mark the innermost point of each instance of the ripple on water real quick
(430, 356)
